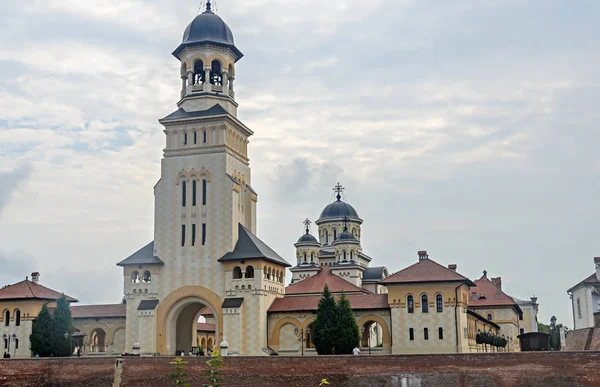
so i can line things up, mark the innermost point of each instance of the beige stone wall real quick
(114, 329)
(508, 320)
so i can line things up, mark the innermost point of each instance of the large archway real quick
(98, 340)
(178, 316)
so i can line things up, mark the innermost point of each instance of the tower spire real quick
(307, 224)
(208, 5)
(339, 189)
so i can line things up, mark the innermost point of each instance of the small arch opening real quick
(199, 74)
(135, 277)
(147, 277)
(249, 272)
(237, 272)
(216, 77)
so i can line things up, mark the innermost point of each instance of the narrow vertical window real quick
(204, 192)
(203, 234)
(424, 304)
(441, 333)
(17, 317)
(183, 235)
(579, 308)
(334, 234)
(6, 318)
(195, 137)
(204, 136)
(439, 303)
(183, 193)
(16, 343)
(312, 257)
(411, 334)
(193, 234)
(5, 343)
(410, 304)
(425, 333)
(185, 138)
(194, 193)
(352, 255)
(304, 257)
(344, 255)
(326, 237)
(223, 136)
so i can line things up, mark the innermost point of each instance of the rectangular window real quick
(5, 343)
(185, 138)
(16, 343)
(426, 333)
(203, 234)
(193, 192)
(411, 334)
(441, 333)
(195, 137)
(204, 192)
(521, 316)
(204, 137)
(193, 234)
(183, 193)
(183, 235)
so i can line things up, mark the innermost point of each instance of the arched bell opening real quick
(216, 73)
(199, 74)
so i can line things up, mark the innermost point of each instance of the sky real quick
(465, 128)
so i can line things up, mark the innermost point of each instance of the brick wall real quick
(549, 369)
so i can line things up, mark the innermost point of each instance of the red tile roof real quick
(592, 280)
(30, 290)
(426, 270)
(316, 283)
(486, 288)
(205, 327)
(96, 311)
(310, 303)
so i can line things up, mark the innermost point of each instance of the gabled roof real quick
(310, 303)
(592, 280)
(486, 288)
(426, 270)
(28, 290)
(144, 256)
(97, 311)
(316, 283)
(248, 246)
(216, 110)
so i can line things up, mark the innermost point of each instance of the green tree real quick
(213, 372)
(62, 322)
(347, 336)
(326, 324)
(41, 334)
(179, 376)
(543, 328)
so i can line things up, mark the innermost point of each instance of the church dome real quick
(307, 238)
(208, 28)
(338, 209)
(345, 237)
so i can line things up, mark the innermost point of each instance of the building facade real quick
(585, 300)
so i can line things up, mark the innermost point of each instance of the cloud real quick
(10, 181)
(16, 265)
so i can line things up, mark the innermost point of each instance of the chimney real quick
(35, 277)
(423, 255)
(452, 266)
(597, 263)
(498, 283)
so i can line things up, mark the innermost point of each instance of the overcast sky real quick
(465, 128)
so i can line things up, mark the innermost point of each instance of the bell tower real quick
(205, 253)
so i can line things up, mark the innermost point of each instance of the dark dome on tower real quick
(208, 28)
(338, 209)
(307, 238)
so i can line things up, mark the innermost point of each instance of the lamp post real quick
(10, 339)
(297, 332)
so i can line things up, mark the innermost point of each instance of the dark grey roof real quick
(216, 110)
(148, 305)
(208, 28)
(232, 302)
(306, 266)
(338, 209)
(248, 246)
(144, 256)
(325, 253)
(308, 238)
(345, 237)
(251, 189)
(374, 273)
(233, 178)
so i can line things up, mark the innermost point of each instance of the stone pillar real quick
(183, 86)
(231, 83)
(207, 85)
(190, 84)
(563, 339)
(225, 76)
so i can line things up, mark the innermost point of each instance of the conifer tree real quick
(347, 335)
(41, 334)
(62, 322)
(325, 325)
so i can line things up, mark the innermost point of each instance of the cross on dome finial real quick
(346, 219)
(339, 189)
(307, 224)
(208, 7)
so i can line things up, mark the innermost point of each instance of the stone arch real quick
(275, 331)
(386, 339)
(210, 343)
(171, 308)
